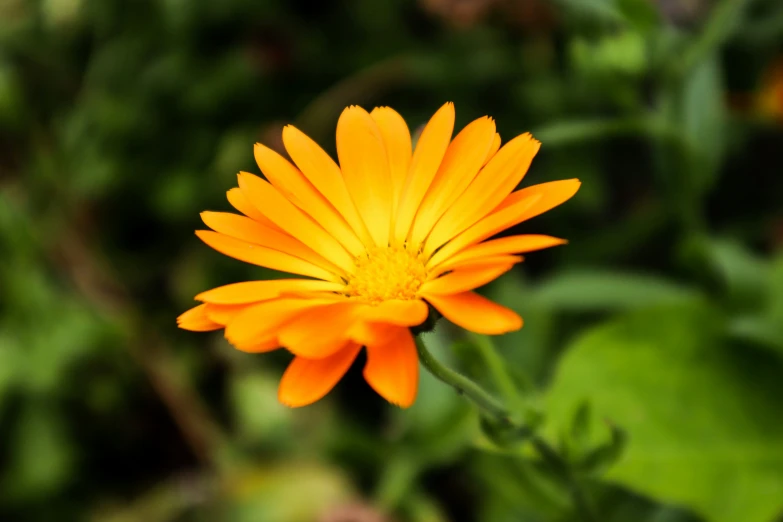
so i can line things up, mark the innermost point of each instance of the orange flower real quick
(378, 237)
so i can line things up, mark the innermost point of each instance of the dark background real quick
(121, 120)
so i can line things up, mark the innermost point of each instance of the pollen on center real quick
(386, 273)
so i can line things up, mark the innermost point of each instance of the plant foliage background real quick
(120, 121)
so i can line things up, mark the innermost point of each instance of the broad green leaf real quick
(605, 290)
(704, 422)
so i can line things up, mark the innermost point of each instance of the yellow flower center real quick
(386, 273)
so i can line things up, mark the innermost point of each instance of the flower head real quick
(376, 238)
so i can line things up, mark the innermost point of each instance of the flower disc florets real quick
(386, 273)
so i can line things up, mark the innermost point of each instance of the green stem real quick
(493, 408)
(464, 386)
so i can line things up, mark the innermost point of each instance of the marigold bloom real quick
(378, 237)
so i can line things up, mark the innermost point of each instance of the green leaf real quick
(605, 290)
(704, 122)
(704, 422)
(745, 276)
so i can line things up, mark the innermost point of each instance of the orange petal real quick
(246, 229)
(253, 291)
(430, 148)
(260, 322)
(240, 202)
(397, 311)
(365, 168)
(499, 177)
(308, 380)
(267, 345)
(325, 175)
(263, 256)
(317, 332)
(489, 226)
(298, 189)
(505, 245)
(392, 368)
(276, 207)
(224, 313)
(462, 161)
(196, 320)
(475, 313)
(397, 139)
(481, 262)
(463, 280)
(493, 149)
(552, 194)
(366, 333)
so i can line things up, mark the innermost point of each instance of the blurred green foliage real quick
(663, 317)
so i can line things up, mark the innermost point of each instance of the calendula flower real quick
(376, 238)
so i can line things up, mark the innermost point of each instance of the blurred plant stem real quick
(510, 430)
(724, 19)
